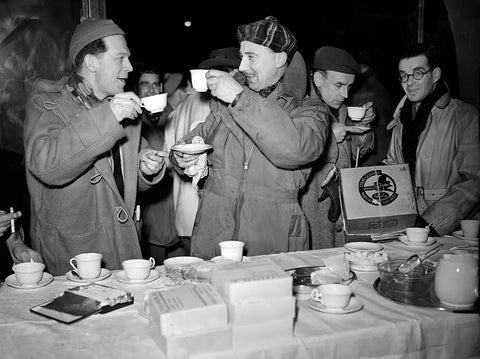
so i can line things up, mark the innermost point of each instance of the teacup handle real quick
(152, 260)
(73, 265)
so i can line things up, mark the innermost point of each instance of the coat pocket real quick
(298, 233)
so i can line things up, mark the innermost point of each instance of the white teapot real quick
(456, 280)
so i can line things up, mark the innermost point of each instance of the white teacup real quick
(333, 296)
(417, 234)
(88, 265)
(232, 250)
(28, 273)
(199, 81)
(356, 113)
(155, 103)
(138, 269)
(470, 228)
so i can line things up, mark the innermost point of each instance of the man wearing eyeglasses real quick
(439, 139)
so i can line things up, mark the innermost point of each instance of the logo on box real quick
(377, 188)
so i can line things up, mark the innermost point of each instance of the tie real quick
(117, 168)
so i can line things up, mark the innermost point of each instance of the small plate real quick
(459, 235)
(363, 247)
(192, 148)
(219, 259)
(122, 277)
(11, 280)
(104, 273)
(354, 305)
(429, 242)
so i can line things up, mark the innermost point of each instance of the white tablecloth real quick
(382, 329)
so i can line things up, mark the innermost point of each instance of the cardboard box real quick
(194, 343)
(261, 310)
(187, 308)
(261, 334)
(377, 199)
(248, 281)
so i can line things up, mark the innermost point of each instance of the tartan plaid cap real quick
(269, 33)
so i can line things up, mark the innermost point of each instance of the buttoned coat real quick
(75, 204)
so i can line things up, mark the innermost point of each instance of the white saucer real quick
(11, 280)
(219, 259)
(428, 243)
(363, 247)
(192, 148)
(104, 273)
(459, 235)
(354, 305)
(122, 277)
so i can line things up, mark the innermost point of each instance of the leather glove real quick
(331, 190)
(422, 222)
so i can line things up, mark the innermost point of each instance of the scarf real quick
(268, 90)
(414, 125)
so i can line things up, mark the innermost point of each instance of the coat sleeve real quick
(462, 198)
(290, 140)
(59, 149)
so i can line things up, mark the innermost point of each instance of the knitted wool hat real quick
(90, 30)
(335, 59)
(269, 33)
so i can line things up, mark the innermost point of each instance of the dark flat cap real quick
(227, 56)
(335, 59)
(268, 32)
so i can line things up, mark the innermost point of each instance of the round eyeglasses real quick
(417, 75)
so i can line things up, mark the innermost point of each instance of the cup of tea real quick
(28, 273)
(333, 296)
(87, 265)
(155, 103)
(199, 81)
(470, 228)
(356, 113)
(232, 250)
(417, 234)
(138, 269)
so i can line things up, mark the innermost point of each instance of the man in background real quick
(438, 137)
(333, 75)
(193, 111)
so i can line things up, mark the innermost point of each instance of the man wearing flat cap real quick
(82, 154)
(334, 71)
(264, 135)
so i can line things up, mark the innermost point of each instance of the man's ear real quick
(317, 78)
(91, 62)
(281, 59)
(437, 74)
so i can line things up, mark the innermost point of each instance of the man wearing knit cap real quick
(264, 135)
(334, 72)
(82, 154)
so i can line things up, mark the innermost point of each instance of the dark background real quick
(383, 28)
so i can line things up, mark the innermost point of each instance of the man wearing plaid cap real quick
(264, 136)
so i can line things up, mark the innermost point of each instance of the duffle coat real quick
(75, 204)
(262, 151)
